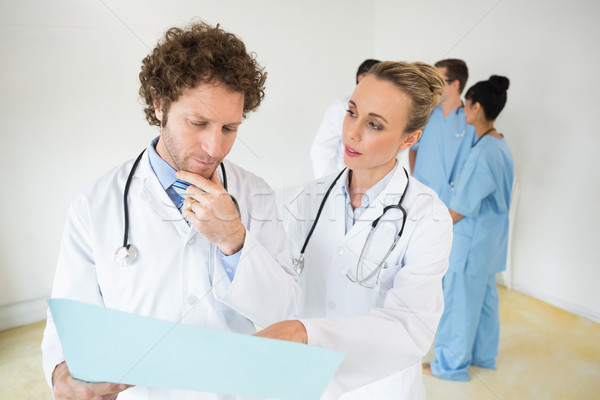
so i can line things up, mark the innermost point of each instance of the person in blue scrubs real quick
(469, 330)
(437, 157)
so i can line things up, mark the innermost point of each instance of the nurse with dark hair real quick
(468, 333)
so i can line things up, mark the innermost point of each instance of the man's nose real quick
(212, 142)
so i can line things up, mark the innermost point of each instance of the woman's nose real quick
(351, 129)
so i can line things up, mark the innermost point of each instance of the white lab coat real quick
(178, 275)
(327, 150)
(384, 331)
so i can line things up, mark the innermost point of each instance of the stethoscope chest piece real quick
(125, 255)
(299, 264)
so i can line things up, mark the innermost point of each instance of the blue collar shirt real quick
(353, 215)
(166, 176)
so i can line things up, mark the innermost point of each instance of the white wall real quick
(69, 106)
(69, 110)
(550, 52)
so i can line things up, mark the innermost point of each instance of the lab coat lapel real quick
(338, 229)
(331, 226)
(151, 191)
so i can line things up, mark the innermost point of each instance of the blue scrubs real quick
(469, 328)
(442, 150)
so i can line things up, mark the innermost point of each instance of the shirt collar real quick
(163, 171)
(373, 191)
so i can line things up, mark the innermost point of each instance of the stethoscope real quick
(126, 254)
(483, 134)
(462, 132)
(299, 262)
(457, 133)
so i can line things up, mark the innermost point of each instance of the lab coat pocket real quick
(365, 273)
(373, 267)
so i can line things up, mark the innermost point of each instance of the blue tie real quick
(180, 187)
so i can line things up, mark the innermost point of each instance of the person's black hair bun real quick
(500, 83)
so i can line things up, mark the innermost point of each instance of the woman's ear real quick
(410, 139)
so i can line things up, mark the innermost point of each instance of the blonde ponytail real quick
(420, 81)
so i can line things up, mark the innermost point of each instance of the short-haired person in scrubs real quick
(436, 159)
(469, 329)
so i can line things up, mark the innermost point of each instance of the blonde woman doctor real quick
(372, 262)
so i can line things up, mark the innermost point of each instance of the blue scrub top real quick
(442, 150)
(482, 194)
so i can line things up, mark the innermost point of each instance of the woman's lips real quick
(350, 152)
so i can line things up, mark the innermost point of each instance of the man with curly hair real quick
(213, 255)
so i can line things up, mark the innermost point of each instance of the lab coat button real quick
(192, 240)
(192, 300)
(331, 304)
(341, 251)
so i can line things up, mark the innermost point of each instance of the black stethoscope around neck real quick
(126, 254)
(484, 134)
(358, 278)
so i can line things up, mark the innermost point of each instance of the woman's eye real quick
(351, 113)
(375, 126)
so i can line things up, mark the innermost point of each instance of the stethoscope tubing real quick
(125, 194)
(312, 228)
(300, 260)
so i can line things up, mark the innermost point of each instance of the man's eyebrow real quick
(202, 117)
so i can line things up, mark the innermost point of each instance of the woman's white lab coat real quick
(178, 275)
(383, 331)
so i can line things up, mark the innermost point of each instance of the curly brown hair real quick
(199, 53)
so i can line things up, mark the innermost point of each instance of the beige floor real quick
(545, 353)
(21, 376)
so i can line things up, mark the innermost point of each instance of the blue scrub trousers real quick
(469, 329)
